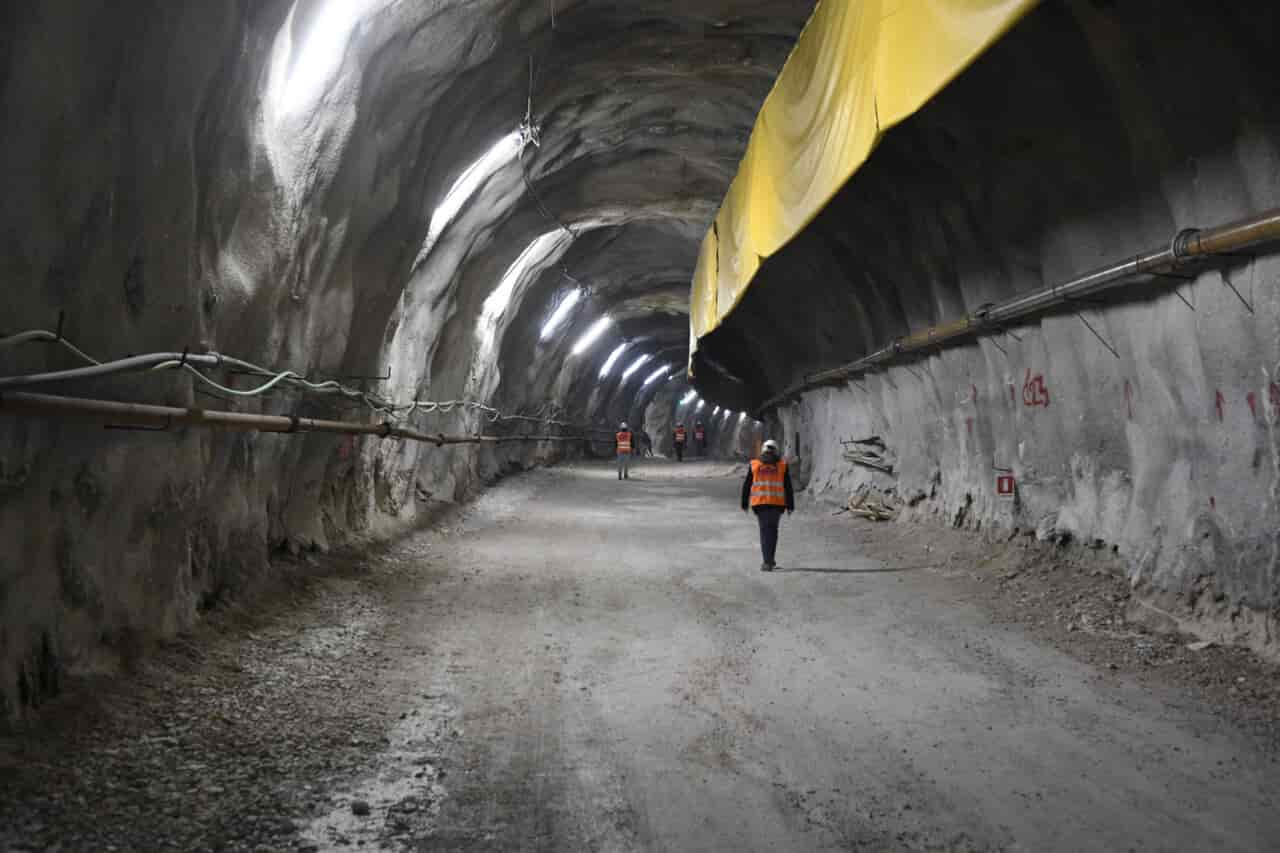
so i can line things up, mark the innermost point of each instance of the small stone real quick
(360, 808)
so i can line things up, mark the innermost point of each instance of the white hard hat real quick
(624, 424)
(771, 445)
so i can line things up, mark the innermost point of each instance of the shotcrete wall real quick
(1144, 423)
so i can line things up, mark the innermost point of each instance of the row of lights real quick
(315, 64)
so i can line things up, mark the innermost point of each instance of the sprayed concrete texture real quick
(335, 188)
(1148, 422)
(635, 683)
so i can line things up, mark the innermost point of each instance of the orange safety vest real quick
(699, 433)
(768, 483)
(624, 442)
(680, 435)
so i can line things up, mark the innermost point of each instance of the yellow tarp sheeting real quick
(860, 67)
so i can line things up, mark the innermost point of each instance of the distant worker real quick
(646, 444)
(625, 440)
(767, 491)
(700, 436)
(680, 437)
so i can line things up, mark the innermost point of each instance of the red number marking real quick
(1034, 391)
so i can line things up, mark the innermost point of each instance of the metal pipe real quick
(145, 415)
(1186, 246)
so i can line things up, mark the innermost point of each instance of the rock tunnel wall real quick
(1149, 423)
(267, 180)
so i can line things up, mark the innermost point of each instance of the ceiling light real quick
(613, 358)
(592, 334)
(653, 377)
(635, 365)
(562, 311)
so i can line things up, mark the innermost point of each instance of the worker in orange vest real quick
(700, 436)
(767, 492)
(626, 440)
(680, 437)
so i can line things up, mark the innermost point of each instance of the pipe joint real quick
(1180, 246)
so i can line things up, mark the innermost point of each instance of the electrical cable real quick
(152, 362)
(49, 337)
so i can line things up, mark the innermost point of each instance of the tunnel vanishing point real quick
(292, 277)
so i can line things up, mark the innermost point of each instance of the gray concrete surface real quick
(604, 668)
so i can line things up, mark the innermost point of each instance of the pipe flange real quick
(1179, 245)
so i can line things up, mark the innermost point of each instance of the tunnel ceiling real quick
(639, 113)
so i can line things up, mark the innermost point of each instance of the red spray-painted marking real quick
(1213, 503)
(1013, 395)
(1128, 398)
(968, 422)
(1219, 402)
(1034, 391)
(346, 447)
(1252, 399)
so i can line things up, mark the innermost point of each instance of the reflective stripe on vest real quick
(624, 442)
(680, 434)
(700, 433)
(768, 483)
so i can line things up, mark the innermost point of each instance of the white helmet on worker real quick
(772, 445)
(624, 425)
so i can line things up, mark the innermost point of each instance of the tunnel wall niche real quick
(1147, 424)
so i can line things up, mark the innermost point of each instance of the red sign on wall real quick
(1005, 486)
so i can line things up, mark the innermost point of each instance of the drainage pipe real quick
(143, 416)
(1185, 247)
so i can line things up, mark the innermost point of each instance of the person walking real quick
(679, 437)
(767, 492)
(700, 436)
(626, 440)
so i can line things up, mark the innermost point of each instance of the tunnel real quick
(400, 402)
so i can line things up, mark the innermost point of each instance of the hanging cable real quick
(275, 380)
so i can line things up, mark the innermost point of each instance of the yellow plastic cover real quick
(859, 68)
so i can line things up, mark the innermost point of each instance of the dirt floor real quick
(573, 663)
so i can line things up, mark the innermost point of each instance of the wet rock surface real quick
(632, 683)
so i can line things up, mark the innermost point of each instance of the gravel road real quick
(575, 663)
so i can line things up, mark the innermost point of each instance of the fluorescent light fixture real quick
(653, 377)
(473, 177)
(742, 417)
(701, 403)
(635, 365)
(562, 311)
(689, 398)
(613, 358)
(715, 411)
(592, 334)
(727, 414)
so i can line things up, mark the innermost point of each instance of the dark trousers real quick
(768, 517)
(679, 451)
